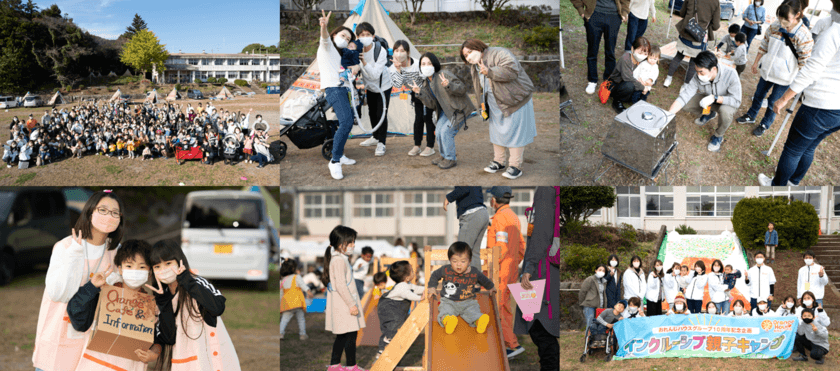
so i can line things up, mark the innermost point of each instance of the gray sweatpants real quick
(471, 228)
(469, 310)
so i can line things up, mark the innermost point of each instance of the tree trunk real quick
(412, 17)
(306, 17)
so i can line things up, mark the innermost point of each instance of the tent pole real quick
(562, 57)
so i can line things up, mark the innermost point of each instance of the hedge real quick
(796, 222)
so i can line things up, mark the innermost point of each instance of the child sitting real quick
(458, 299)
(680, 305)
(350, 58)
(739, 55)
(606, 320)
(632, 310)
(762, 310)
(147, 153)
(788, 307)
(813, 336)
(292, 302)
(394, 304)
(728, 41)
(379, 281)
(738, 309)
(729, 279)
(648, 71)
(683, 279)
(711, 308)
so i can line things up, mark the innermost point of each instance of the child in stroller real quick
(231, 147)
(599, 333)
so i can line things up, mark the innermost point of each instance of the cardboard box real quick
(125, 321)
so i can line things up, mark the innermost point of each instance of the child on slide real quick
(395, 303)
(458, 296)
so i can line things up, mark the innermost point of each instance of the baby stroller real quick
(231, 147)
(311, 130)
(593, 342)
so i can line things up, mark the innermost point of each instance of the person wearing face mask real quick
(808, 302)
(680, 306)
(738, 309)
(601, 18)
(696, 286)
(717, 287)
(626, 88)
(329, 64)
(715, 87)
(377, 79)
(811, 278)
(788, 307)
(635, 284)
(813, 336)
(761, 309)
(405, 71)
(132, 265)
(671, 285)
(787, 43)
(754, 16)
(711, 308)
(634, 308)
(592, 294)
(74, 261)
(614, 282)
(707, 15)
(504, 92)
(761, 280)
(655, 293)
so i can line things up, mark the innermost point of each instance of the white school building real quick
(186, 67)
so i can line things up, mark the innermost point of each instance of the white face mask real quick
(658, 268)
(636, 264)
(400, 56)
(704, 79)
(474, 57)
(135, 278)
(711, 310)
(427, 71)
(789, 305)
(340, 42)
(349, 250)
(809, 261)
(762, 306)
(759, 261)
(679, 307)
(807, 303)
(104, 223)
(737, 310)
(633, 310)
(613, 263)
(599, 274)
(166, 275)
(639, 57)
(366, 41)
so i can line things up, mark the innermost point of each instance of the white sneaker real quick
(369, 142)
(414, 151)
(427, 152)
(764, 180)
(590, 88)
(335, 170)
(380, 150)
(667, 82)
(346, 161)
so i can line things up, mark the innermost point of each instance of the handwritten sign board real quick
(125, 321)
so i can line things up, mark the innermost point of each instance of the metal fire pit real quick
(641, 138)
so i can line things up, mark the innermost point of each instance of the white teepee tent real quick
(152, 97)
(224, 94)
(115, 97)
(174, 95)
(57, 99)
(400, 112)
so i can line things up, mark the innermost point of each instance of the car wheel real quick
(7, 267)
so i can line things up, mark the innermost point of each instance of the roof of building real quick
(218, 55)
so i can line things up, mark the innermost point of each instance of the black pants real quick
(626, 92)
(654, 308)
(694, 306)
(801, 343)
(375, 109)
(423, 117)
(547, 347)
(675, 64)
(347, 343)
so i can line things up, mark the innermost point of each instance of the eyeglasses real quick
(104, 211)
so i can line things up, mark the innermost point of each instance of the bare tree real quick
(491, 5)
(306, 6)
(416, 6)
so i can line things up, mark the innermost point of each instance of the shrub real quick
(543, 37)
(81, 87)
(240, 82)
(628, 232)
(585, 258)
(684, 229)
(221, 80)
(797, 222)
(177, 86)
(264, 85)
(197, 81)
(211, 80)
(521, 15)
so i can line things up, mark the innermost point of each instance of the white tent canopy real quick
(400, 112)
(115, 97)
(57, 98)
(152, 97)
(174, 95)
(224, 94)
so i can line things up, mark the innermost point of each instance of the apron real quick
(200, 347)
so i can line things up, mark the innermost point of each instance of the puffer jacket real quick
(511, 85)
(451, 100)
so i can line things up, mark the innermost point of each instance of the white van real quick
(8, 102)
(227, 235)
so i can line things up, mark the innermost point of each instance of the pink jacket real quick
(341, 296)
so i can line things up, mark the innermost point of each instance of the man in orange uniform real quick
(505, 232)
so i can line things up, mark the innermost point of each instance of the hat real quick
(500, 192)
(680, 297)
(623, 302)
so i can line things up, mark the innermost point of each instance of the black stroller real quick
(311, 130)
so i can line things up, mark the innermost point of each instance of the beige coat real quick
(511, 85)
(342, 295)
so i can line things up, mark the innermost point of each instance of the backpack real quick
(378, 44)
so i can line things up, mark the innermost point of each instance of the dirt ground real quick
(739, 160)
(256, 344)
(100, 170)
(308, 167)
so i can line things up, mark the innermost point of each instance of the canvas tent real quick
(400, 111)
(152, 97)
(57, 99)
(224, 94)
(174, 95)
(115, 97)
(112, 74)
(127, 72)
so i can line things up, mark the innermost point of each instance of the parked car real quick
(33, 221)
(8, 102)
(228, 235)
(194, 94)
(33, 101)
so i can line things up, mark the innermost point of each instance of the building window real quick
(596, 213)
(193, 61)
(273, 62)
(205, 61)
(322, 205)
(219, 62)
(521, 201)
(204, 75)
(366, 205)
(256, 62)
(419, 204)
(243, 62)
(232, 74)
(712, 201)
(836, 200)
(629, 202)
(810, 195)
(659, 201)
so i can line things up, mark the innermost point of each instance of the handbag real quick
(293, 298)
(693, 28)
(604, 91)
(756, 19)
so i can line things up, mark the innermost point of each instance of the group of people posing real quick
(440, 98)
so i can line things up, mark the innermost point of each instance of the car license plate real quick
(222, 249)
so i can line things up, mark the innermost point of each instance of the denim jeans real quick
(340, 102)
(750, 32)
(725, 307)
(635, 29)
(589, 314)
(761, 91)
(446, 132)
(809, 128)
(606, 26)
(259, 157)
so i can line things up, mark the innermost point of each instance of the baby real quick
(458, 296)
(648, 70)
(350, 58)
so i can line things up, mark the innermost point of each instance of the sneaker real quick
(369, 142)
(414, 151)
(450, 322)
(667, 82)
(512, 173)
(447, 164)
(702, 120)
(354, 368)
(335, 170)
(617, 106)
(764, 180)
(820, 361)
(346, 161)
(590, 88)
(515, 352)
(437, 161)
(260, 166)
(337, 367)
(428, 151)
(714, 143)
(801, 358)
(494, 167)
(745, 119)
(759, 130)
(380, 150)
(282, 336)
(481, 324)
(304, 337)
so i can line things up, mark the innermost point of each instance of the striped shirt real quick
(802, 41)
(406, 75)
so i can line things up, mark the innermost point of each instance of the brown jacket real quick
(587, 7)
(624, 71)
(588, 294)
(452, 100)
(708, 14)
(511, 85)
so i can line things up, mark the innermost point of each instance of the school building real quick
(186, 67)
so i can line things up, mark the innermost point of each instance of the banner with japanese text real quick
(703, 335)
